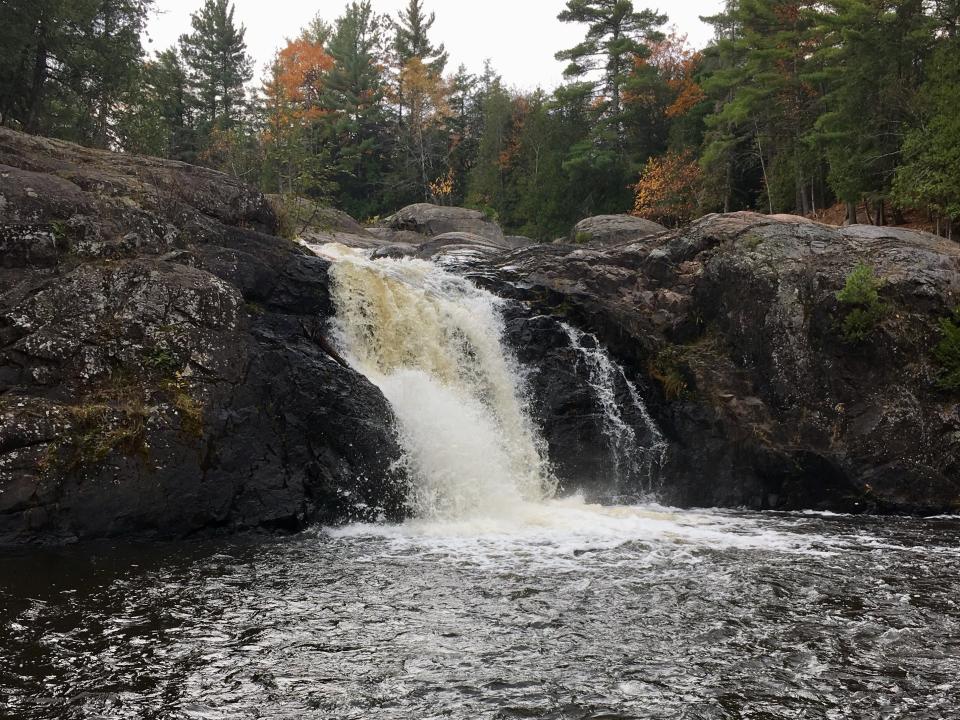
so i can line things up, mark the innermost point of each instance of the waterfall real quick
(432, 342)
(637, 459)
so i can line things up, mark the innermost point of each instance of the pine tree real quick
(616, 36)
(354, 96)
(67, 67)
(929, 178)
(871, 55)
(216, 55)
(765, 104)
(412, 41)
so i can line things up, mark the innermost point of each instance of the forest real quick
(803, 107)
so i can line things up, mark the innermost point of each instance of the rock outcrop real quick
(734, 329)
(433, 220)
(163, 368)
(608, 230)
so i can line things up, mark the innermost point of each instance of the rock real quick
(396, 237)
(396, 251)
(515, 242)
(163, 367)
(732, 329)
(434, 220)
(608, 230)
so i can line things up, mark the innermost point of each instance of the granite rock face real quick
(162, 361)
(734, 331)
(608, 230)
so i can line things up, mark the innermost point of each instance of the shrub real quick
(861, 294)
(583, 237)
(947, 352)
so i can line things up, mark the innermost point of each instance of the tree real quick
(67, 67)
(616, 36)
(216, 56)
(296, 158)
(354, 95)
(765, 104)
(930, 174)
(871, 56)
(412, 41)
(670, 190)
(158, 120)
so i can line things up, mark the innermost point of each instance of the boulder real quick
(163, 366)
(433, 220)
(614, 230)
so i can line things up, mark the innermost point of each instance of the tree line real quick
(792, 107)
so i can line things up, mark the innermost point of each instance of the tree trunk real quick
(851, 214)
(866, 209)
(39, 79)
(881, 214)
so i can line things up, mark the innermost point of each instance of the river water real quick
(575, 612)
(497, 599)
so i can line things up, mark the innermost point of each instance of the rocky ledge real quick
(163, 369)
(773, 387)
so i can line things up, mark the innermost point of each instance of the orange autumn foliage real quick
(670, 189)
(293, 92)
(676, 63)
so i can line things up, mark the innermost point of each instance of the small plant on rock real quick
(947, 352)
(861, 294)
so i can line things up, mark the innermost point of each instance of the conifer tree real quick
(216, 55)
(354, 96)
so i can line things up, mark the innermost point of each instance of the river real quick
(580, 613)
(499, 598)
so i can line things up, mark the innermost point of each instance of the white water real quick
(642, 458)
(433, 343)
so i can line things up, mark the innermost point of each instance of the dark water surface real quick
(574, 613)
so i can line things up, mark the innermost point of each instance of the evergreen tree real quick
(616, 35)
(67, 67)
(412, 40)
(354, 96)
(929, 178)
(871, 55)
(765, 105)
(216, 55)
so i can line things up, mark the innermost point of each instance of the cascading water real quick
(432, 342)
(637, 459)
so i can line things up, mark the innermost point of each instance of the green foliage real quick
(861, 295)
(162, 361)
(947, 352)
(929, 176)
(215, 54)
(582, 237)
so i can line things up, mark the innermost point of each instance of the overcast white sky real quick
(519, 36)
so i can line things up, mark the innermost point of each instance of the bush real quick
(861, 293)
(947, 352)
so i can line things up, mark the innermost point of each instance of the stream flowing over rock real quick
(168, 363)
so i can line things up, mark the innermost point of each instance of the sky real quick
(519, 36)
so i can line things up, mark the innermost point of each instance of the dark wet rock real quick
(434, 220)
(606, 230)
(163, 368)
(733, 329)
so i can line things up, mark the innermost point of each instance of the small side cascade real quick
(637, 445)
